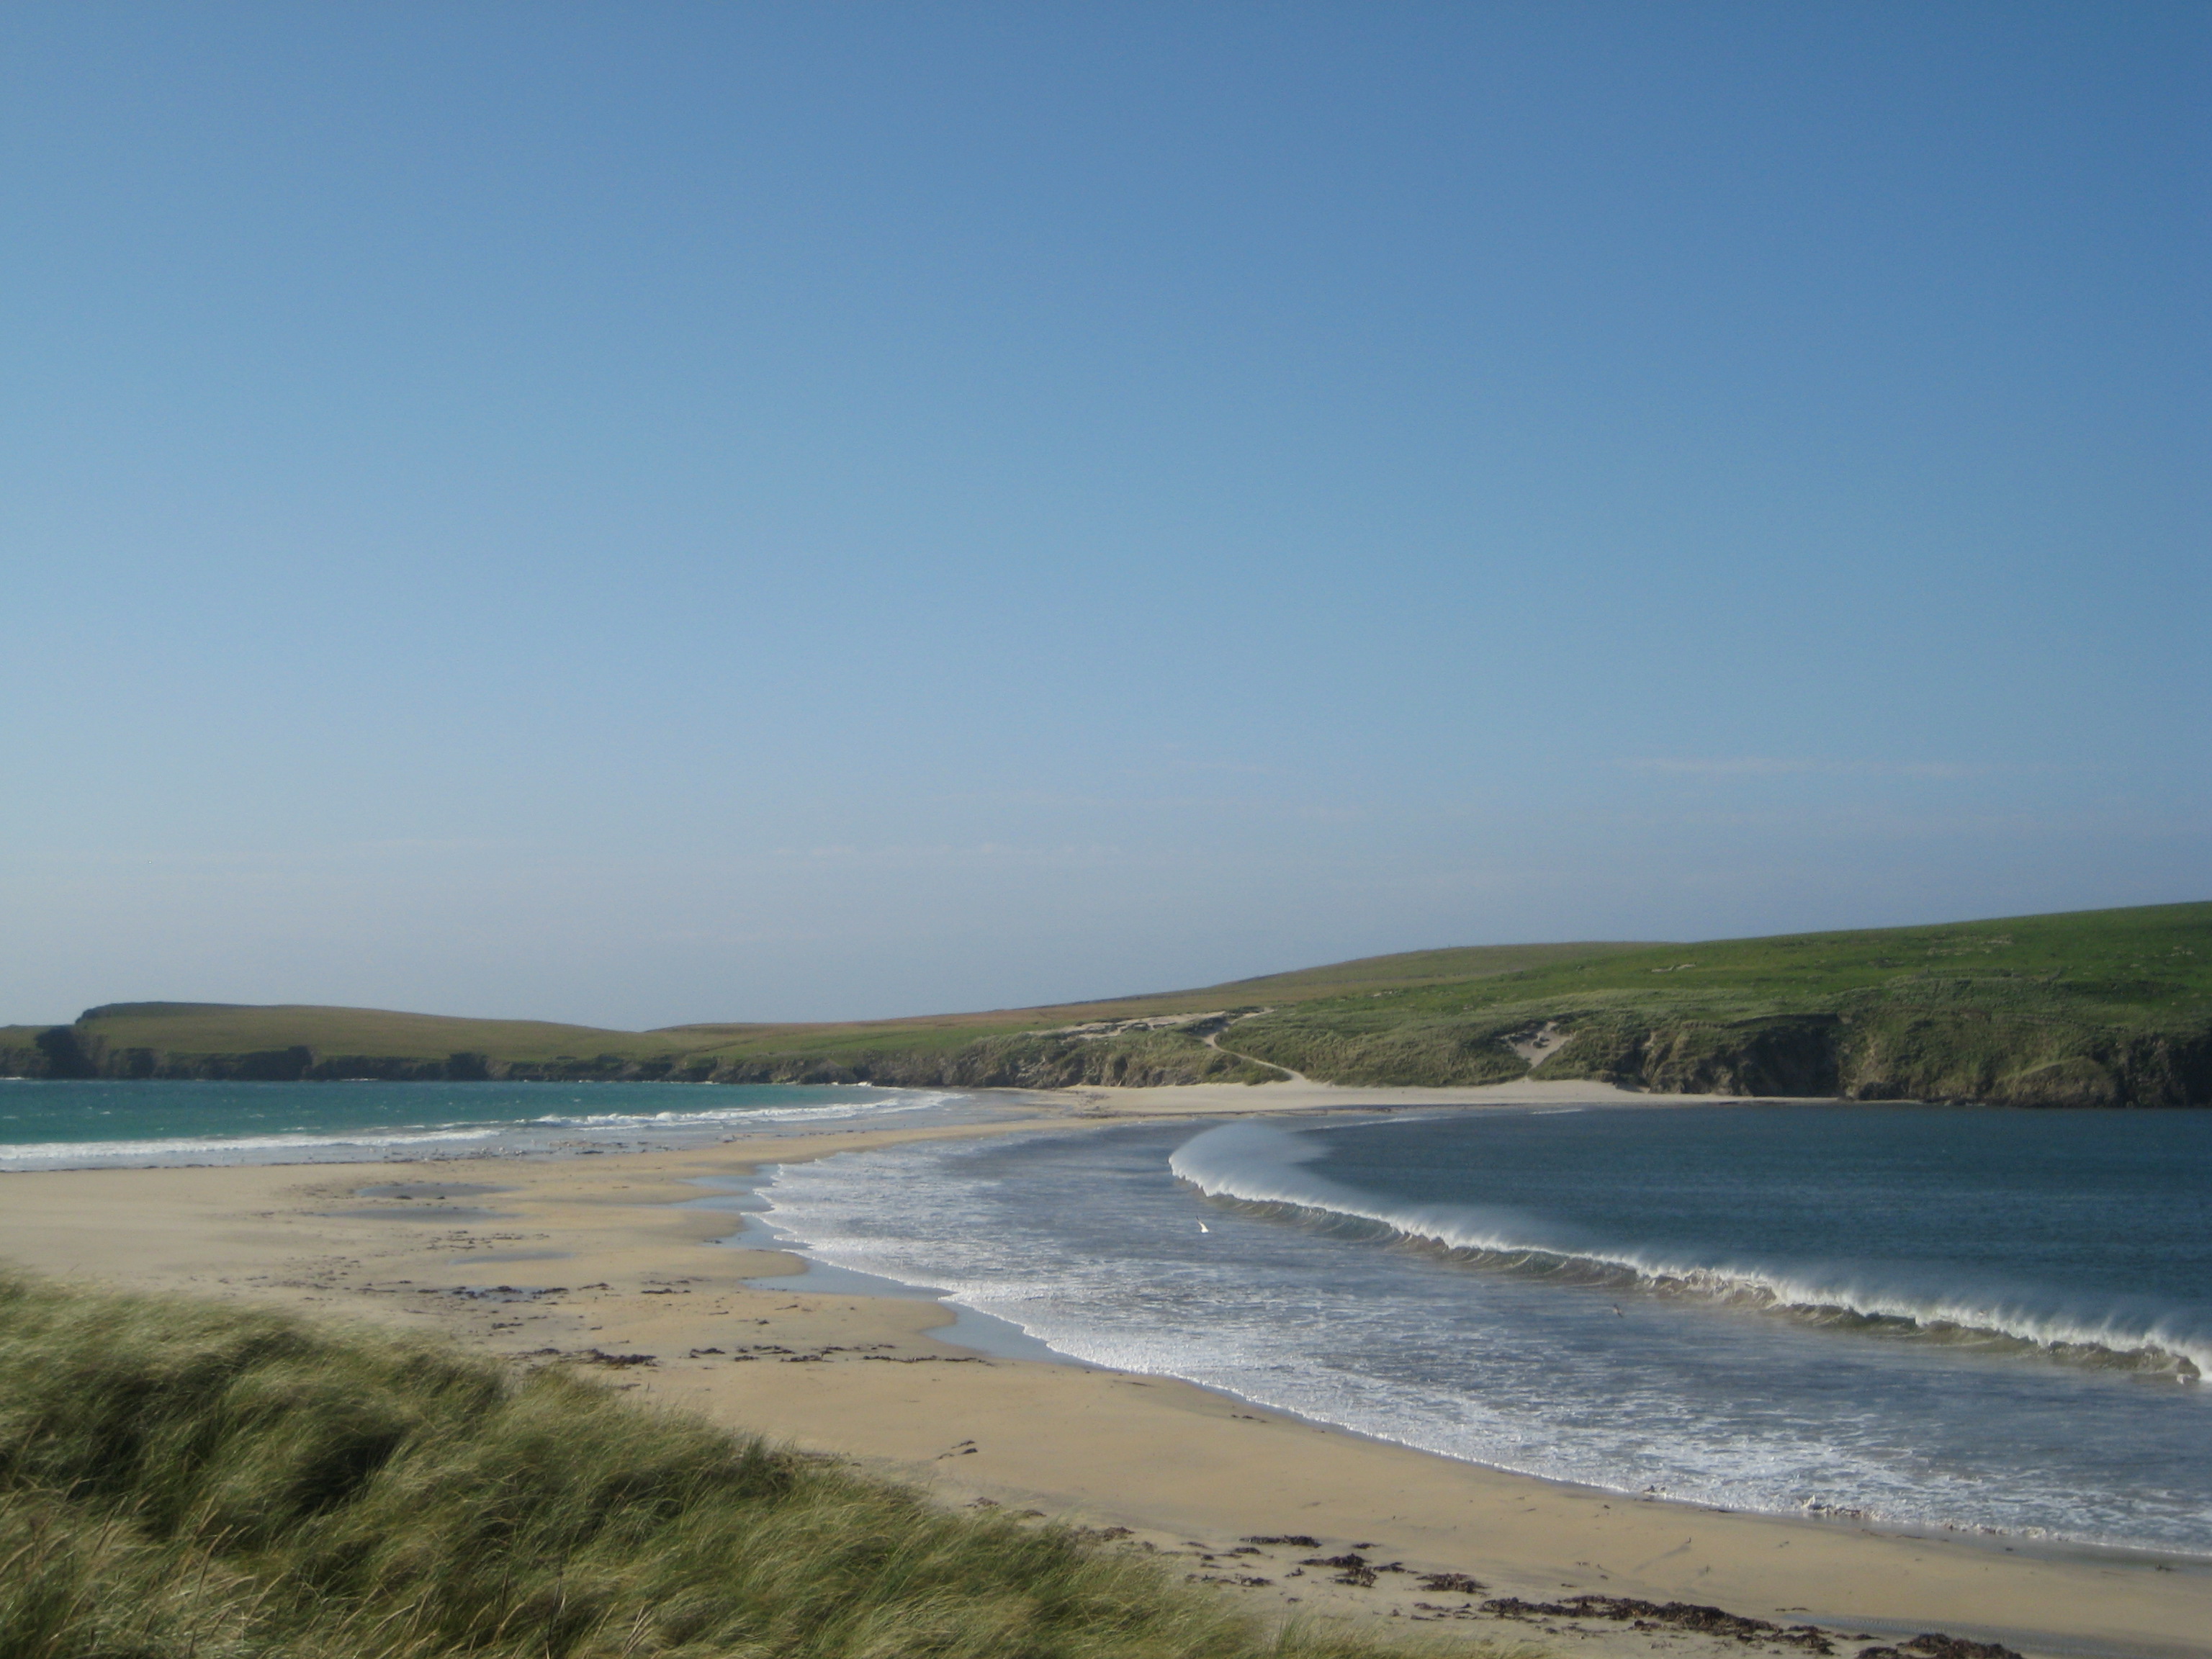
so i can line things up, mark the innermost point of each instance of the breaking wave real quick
(534, 1134)
(1266, 1169)
(77, 1154)
(740, 1115)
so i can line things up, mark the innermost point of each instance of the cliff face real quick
(68, 1051)
(1895, 1055)
(1042, 1060)
(1888, 1053)
(1025, 1060)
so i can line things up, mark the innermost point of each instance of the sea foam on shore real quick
(105, 1124)
(1443, 1281)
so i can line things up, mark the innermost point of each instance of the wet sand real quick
(590, 1260)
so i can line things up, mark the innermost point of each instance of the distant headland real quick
(2090, 1008)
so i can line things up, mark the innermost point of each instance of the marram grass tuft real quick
(189, 1481)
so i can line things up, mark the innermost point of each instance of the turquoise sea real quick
(96, 1124)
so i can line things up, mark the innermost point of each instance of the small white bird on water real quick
(1203, 1228)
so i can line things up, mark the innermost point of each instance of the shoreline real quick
(627, 1133)
(1188, 1471)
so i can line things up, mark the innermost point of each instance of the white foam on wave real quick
(1259, 1164)
(293, 1145)
(740, 1115)
(56, 1153)
(1097, 1256)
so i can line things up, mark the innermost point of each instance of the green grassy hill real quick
(2103, 1007)
(2091, 1008)
(1145, 1038)
(1411, 968)
(287, 1040)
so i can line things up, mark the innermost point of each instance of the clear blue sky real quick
(662, 512)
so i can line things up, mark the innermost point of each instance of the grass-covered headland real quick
(184, 1481)
(2095, 1008)
(2106, 1007)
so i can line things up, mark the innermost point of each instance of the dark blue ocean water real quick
(1932, 1316)
(91, 1124)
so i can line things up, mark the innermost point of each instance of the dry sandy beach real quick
(591, 1258)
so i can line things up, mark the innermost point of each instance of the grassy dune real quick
(194, 1481)
(2111, 1008)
